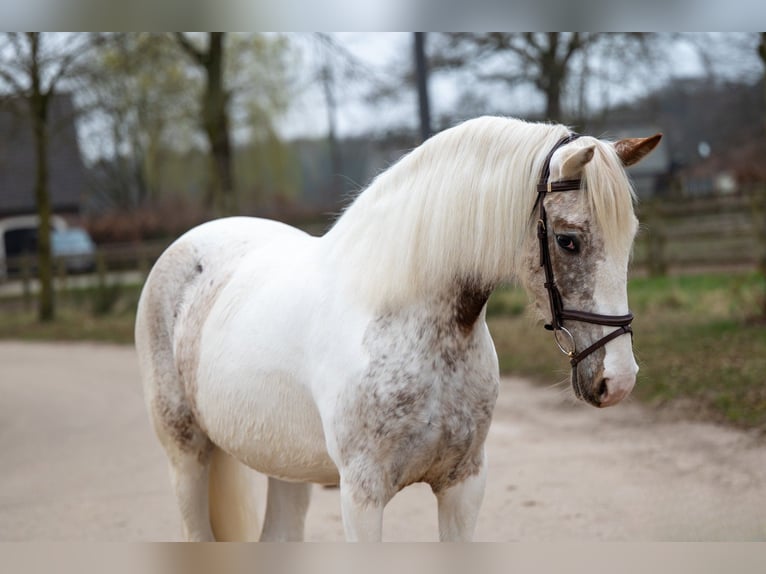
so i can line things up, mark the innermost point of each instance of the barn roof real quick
(18, 165)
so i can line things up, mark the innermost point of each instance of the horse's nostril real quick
(603, 390)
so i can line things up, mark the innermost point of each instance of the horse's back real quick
(228, 239)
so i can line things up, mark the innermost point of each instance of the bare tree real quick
(140, 89)
(336, 65)
(215, 116)
(245, 78)
(545, 61)
(33, 66)
(421, 74)
(762, 226)
(762, 54)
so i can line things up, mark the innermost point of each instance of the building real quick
(18, 168)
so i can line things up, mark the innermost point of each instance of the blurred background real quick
(114, 144)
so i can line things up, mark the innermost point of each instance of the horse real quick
(362, 358)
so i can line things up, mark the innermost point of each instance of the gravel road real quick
(78, 461)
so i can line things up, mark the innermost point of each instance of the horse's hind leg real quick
(286, 509)
(186, 444)
(187, 447)
(190, 476)
(189, 452)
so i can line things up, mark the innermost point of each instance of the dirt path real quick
(78, 461)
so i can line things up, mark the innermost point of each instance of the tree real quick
(33, 66)
(215, 117)
(251, 66)
(421, 74)
(762, 223)
(144, 100)
(545, 61)
(335, 66)
(762, 54)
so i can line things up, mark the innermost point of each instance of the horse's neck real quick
(455, 210)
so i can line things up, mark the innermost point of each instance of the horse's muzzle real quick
(604, 391)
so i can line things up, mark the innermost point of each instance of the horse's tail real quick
(232, 499)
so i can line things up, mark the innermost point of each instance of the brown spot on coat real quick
(425, 402)
(471, 299)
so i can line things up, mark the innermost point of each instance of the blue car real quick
(75, 247)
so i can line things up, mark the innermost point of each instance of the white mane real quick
(456, 208)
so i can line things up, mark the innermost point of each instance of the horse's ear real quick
(572, 166)
(633, 150)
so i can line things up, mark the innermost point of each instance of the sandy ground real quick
(78, 461)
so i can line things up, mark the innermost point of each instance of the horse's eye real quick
(568, 243)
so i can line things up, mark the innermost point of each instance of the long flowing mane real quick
(457, 209)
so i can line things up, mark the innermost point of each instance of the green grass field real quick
(695, 339)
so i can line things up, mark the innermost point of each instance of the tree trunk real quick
(39, 109)
(421, 73)
(216, 124)
(762, 223)
(336, 159)
(762, 54)
(38, 106)
(553, 102)
(552, 78)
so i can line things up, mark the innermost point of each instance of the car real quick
(75, 248)
(18, 239)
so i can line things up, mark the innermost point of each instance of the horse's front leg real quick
(286, 507)
(361, 510)
(459, 507)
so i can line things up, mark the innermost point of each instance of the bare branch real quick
(12, 80)
(66, 63)
(195, 53)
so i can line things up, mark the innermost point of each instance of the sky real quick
(378, 51)
(382, 51)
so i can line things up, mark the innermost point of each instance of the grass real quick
(695, 339)
(104, 314)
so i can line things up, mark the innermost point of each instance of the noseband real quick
(559, 314)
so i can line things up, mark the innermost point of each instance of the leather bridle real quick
(558, 313)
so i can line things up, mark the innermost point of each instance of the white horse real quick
(362, 358)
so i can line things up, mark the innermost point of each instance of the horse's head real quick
(586, 231)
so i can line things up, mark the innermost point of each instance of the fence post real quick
(656, 263)
(63, 286)
(758, 209)
(101, 270)
(759, 221)
(143, 261)
(26, 280)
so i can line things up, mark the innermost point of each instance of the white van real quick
(18, 236)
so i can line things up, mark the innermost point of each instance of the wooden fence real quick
(118, 264)
(705, 233)
(676, 236)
